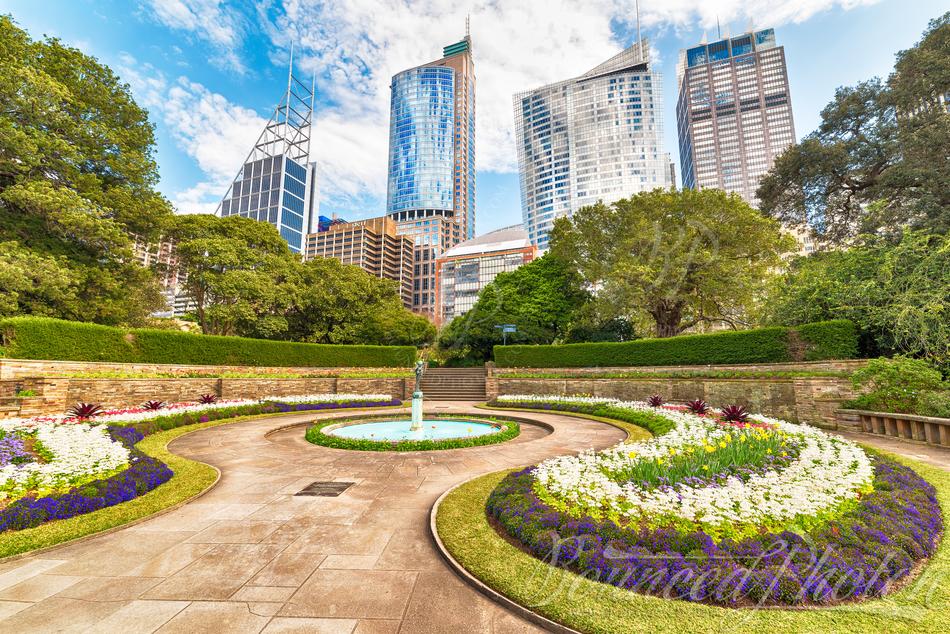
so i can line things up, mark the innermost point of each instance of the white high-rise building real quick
(596, 137)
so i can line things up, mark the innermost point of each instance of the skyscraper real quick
(597, 137)
(431, 191)
(734, 112)
(276, 183)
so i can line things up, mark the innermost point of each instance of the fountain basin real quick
(400, 430)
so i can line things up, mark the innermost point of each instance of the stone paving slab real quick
(250, 556)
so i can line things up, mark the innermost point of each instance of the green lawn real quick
(588, 606)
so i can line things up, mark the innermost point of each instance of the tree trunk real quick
(668, 316)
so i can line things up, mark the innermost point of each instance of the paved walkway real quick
(250, 556)
(935, 456)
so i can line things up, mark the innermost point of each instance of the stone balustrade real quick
(927, 429)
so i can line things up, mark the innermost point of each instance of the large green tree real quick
(673, 260)
(241, 274)
(898, 294)
(879, 159)
(342, 303)
(540, 298)
(77, 179)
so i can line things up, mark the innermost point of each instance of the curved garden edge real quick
(571, 603)
(634, 432)
(191, 480)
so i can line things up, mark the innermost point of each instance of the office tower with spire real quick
(596, 137)
(277, 182)
(734, 112)
(431, 190)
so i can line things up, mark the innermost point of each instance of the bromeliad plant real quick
(85, 411)
(698, 407)
(207, 399)
(734, 414)
(655, 401)
(153, 405)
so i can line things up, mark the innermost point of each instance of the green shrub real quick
(824, 340)
(902, 385)
(836, 339)
(54, 339)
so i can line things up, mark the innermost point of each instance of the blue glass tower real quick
(431, 191)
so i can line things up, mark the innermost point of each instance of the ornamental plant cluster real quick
(764, 513)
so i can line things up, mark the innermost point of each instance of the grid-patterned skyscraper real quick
(276, 183)
(597, 137)
(734, 112)
(431, 191)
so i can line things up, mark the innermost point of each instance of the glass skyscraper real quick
(597, 137)
(431, 190)
(734, 112)
(276, 183)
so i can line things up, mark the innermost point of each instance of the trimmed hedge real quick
(811, 342)
(55, 339)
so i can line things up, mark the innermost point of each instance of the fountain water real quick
(417, 398)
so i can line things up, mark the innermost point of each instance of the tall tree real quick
(77, 180)
(540, 299)
(673, 259)
(878, 160)
(241, 274)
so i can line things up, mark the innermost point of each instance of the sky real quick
(211, 73)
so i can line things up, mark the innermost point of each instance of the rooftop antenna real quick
(639, 39)
(468, 32)
(717, 27)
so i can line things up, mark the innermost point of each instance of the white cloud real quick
(216, 133)
(208, 20)
(355, 47)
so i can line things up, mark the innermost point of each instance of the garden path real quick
(250, 556)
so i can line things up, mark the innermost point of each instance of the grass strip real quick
(588, 606)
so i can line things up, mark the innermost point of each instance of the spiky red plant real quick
(153, 405)
(85, 411)
(698, 406)
(655, 401)
(207, 399)
(734, 414)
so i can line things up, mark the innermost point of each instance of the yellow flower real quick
(722, 444)
(659, 460)
(673, 452)
(709, 448)
(768, 451)
(632, 454)
(705, 467)
(784, 454)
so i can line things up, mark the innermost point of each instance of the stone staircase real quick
(454, 384)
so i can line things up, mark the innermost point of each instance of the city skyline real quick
(177, 64)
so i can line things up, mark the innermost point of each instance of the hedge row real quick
(55, 339)
(811, 342)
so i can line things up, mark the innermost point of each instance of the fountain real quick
(417, 428)
(417, 398)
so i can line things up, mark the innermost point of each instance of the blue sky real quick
(210, 73)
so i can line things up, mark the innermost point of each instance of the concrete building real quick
(374, 245)
(734, 112)
(596, 137)
(465, 269)
(276, 182)
(161, 257)
(431, 187)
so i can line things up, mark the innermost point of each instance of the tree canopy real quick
(898, 294)
(878, 160)
(77, 179)
(672, 260)
(540, 298)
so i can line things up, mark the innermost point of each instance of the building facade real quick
(734, 112)
(467, 268)
(161, 257)
(431, 186)
(596, 137)
(276, 182)
(374, 245)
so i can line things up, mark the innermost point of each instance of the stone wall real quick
(809, 399)
(30, 368)
(841, 365)
(55, 395)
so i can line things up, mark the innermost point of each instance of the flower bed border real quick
(511, 429)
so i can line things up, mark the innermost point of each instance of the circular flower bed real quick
(315, 434)
(762, 512)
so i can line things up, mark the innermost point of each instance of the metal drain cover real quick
(326, 489)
